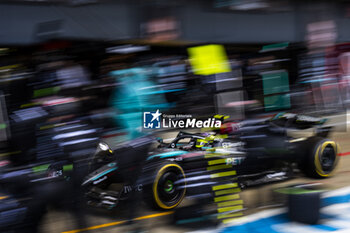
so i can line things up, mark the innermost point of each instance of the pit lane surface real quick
(255, 200)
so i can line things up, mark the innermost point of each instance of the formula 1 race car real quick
(287, 138)
(254, 153)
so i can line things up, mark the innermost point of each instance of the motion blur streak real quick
(119, 222)
(96, 227)
(95, 97)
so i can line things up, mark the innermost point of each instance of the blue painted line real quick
(269, 224)
(266, 225)
(335, 200)
(259, 226)
(326, 216)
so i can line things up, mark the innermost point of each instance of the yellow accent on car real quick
(223, 174)
(230, 208)
(232, 220)
(224, 186)
(216, 161)
(221, 216)
(10, 153)
(227, 191)
(216, 154)
(229, 203)
(218, 167)
(226, 198)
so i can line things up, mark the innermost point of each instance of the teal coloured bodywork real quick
(167, 154)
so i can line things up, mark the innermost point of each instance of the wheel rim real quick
(327, 158)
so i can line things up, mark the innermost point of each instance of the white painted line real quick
(294, 227)
(338, 192)
(337, 224)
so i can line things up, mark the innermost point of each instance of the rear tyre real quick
(322, 158)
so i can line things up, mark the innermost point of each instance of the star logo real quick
(156, 115)
(151, 120)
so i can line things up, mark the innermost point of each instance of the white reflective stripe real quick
(108, 202)
(110, 198)
(338, 192)
(338, 211)
(195, 178)
(293, 227)
(68, 127)
(77, 141)
(337, 224)
(341, 231)
(74, 134)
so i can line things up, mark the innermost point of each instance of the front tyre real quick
(168, 188)
(322, 158)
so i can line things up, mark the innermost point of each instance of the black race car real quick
(253, 153)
